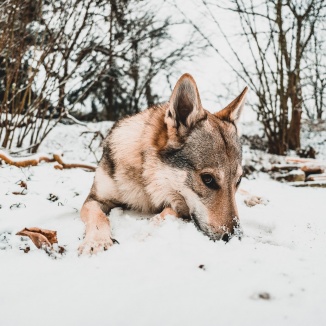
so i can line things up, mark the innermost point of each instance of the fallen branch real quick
(317, 177)
(313, 169)
(302, 160)
(23, 162)
(71, 165)
(317, 184)
(36, 159)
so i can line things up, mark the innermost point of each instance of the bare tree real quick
(40, 58)
(60, 56)
(278, 34)
(137, 48)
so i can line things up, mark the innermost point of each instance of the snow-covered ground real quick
(161, 273)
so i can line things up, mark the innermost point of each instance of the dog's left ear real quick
(185, 107)
(233, 111)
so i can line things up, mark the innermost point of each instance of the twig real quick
(75, 120)
(24, 149)
(96, 134)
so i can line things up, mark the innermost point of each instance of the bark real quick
(317, 177)
(109, 92)
(295, 128)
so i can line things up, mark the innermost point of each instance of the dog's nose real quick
(226, 237)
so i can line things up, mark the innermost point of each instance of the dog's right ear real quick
(233, 111)
(185, 107)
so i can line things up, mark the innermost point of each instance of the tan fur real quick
(232, 112)
(98, 232)
(105, 186)
(154, 161)
(167, 211)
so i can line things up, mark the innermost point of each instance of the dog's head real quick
(208, 148)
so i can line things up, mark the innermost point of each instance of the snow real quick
(155, 275)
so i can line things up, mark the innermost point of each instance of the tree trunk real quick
(109, 91)
(6, 138)
(277, 147)
(296, 99)
(295, 128)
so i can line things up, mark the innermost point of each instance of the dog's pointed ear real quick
(233, 111)
(185, 107)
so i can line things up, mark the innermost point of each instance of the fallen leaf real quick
(19, 192)
(23, 184)
(50, 235)
(61, 250)
(26, 249)
(40, 237)
(264, 296)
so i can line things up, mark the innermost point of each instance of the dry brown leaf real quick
(61, 250)
(26, 249)
(19, 192)
(23, 184)
(40, 237)
(50, 235)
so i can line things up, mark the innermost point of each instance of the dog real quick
(175, 158)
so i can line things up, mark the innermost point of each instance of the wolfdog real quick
(175, 158)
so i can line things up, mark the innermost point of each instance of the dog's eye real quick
(239, 181)
(209, 181)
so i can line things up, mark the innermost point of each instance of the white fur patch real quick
(105, 186)
(195, 205)
(133, 194)
(168, 187)
(127, 140)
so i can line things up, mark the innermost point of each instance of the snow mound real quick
(161, 273)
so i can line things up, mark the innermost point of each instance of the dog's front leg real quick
(168, 211)
(98, 230)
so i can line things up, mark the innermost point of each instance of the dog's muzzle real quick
(222, 235)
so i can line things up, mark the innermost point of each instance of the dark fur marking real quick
(106, 205)
(108, 160)
(191, 185)
(196, 222)
(176, 158)
(108, 156)
(235, 141)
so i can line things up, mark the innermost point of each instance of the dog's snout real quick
(231, 230)
(235, 224)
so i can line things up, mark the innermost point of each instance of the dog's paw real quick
(251, 201)
(94, 246)
(158, 218)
